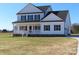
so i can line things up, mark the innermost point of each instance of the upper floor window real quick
(30, 17)
(23, 18)
(37, 17)
(57, 27)
(46, 27)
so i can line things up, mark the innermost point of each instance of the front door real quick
(30, 29)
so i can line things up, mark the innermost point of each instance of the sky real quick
(8, 12)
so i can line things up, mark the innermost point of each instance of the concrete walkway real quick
(78, 44)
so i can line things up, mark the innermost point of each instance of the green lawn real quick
(36, 45)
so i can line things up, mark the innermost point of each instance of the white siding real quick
(51, 17)
(67, 25)
(52, 28)
(18, 17)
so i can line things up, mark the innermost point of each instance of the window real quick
(57, 27)
(37, 17)
(23, 18)
(23, 27)
(36, 27)
(46, 27)
(30, 17)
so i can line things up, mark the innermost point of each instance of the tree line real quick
(75, 28)
(5, 30)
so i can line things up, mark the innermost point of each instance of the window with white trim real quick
(46, 27)
(36, 27)
(37, 17)
(30, 17)
(23, 18)
(57, 27)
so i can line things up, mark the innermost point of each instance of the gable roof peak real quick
(61, 13)
(28, 9)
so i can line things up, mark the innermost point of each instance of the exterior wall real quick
(51, 17)
(68, 25)
(52, 28)
(42, 28)
(19, 16)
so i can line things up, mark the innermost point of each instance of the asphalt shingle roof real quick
(62, 14)
(43, 8)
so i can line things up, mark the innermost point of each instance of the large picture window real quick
(46, 27)
(57, 27)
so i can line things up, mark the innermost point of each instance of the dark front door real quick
(30, 29)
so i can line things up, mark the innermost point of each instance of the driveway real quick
(78, 44)
(76, 37)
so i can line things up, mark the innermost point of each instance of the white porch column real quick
(18, 28)
(15, 28)
(28, 29)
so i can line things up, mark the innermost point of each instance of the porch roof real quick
(36, 21)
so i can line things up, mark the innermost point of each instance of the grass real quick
(36, 45)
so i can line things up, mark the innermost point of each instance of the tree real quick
(4, 30)
(75, 28)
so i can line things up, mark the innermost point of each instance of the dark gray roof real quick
(43, 8)
(62, 14)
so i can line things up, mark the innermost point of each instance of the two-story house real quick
(42, 20)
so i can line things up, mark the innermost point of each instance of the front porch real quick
(28, 29)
